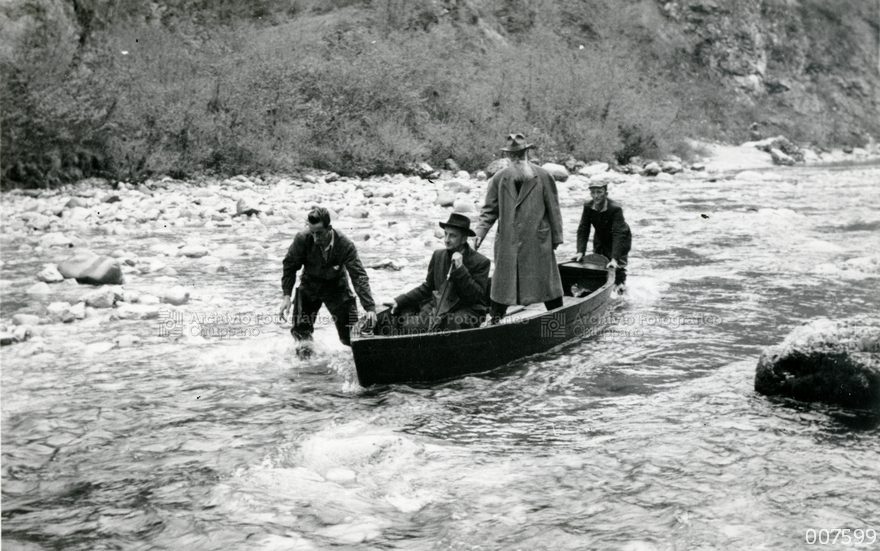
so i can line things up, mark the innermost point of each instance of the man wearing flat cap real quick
(524, 201)
(455, 289)
(612, 239)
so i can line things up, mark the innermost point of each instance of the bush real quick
(361, 88)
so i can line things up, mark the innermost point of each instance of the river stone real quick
(421, 169)
(76, 202)
(166, 249)
(57, 308)
(149, 299)
(445, 199)
(780, 158)
(592, 169)
(6, 338)
(88, 267)
(39, 222)
(810, 156)
(671, 167)
(824, 360)
(101, 298)
(25, 319)
(464, 206)
(176, 295)
(559, 172)
(22, 333)
(78, 310)
(495, 166)
(651, 169)
(246, 207)
(194, 251)
(357, 212)
(56, 239)
(39, 289)
(50, 274)
(139, 311)
(456, 186)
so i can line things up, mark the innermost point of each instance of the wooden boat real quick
(383, 357)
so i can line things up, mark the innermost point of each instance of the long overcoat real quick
(529, 225)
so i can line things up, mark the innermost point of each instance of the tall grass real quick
(354, 86)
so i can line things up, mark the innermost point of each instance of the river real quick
(647, 436)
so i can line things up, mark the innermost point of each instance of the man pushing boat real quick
(326, 256)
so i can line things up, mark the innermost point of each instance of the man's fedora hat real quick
(459, 221)
(516, 142)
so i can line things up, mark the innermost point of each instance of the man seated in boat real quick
(453, 295)
(613, 238)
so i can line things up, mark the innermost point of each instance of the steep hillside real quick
(129, 88)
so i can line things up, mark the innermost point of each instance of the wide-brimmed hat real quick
(459, 221)
(516, 142)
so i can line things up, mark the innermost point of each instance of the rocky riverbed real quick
(169, 411)
(190, 223)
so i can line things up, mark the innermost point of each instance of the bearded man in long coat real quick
(524, 201)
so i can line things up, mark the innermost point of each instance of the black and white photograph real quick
(445, 275)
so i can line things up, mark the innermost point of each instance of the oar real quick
(435, 319)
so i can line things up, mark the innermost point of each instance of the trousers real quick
(342, 308)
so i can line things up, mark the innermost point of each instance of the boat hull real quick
(388, 359)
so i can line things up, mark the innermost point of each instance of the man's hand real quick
(612, 264)
(477, 242)
(578, 257)
(392, 303)
(284, 311)
(371, 318)
(457, 260)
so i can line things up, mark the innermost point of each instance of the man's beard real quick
(522, 170)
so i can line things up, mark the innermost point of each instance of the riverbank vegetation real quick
(128, 89)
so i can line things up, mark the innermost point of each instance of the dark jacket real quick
(323, 279)
(469, 281)
(613, 238)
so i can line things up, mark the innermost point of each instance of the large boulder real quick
(783, 145)
(780, 158)
(559, 172)
(495, 166)
(105, 297)
(88, 267)
(592, 169)
(651, 169)
(823, 360)
(422, 169)
(671, 167)
(246, 206)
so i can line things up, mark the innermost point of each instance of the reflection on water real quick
(646, 436)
